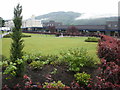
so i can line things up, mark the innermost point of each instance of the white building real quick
(26, 23)
(9, 23)
(31, 22)
(4, 29)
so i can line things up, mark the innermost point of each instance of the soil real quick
(45, 75)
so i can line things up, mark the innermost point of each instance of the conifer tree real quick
(17, 42)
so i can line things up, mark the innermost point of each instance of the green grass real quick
(47, 44)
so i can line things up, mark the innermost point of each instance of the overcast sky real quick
(40, 7)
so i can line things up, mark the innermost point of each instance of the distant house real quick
(51, 23)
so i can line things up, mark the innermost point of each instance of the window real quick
(115, 25)
(109, 25)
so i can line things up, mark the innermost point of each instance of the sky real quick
(90, 8)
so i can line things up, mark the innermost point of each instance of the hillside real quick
(69, 18)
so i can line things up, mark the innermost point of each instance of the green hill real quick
(69, 18)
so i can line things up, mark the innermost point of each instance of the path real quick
(1, 35)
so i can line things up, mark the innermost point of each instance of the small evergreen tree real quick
(17, 42)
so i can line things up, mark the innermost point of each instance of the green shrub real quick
(39, 57)
(54, 85)
(11, 68)
(30, 57)
(4, 63)
(59, 62)
(77, 58)
(92, 39)
(54, 71)
(82, 78)
(37, 64)
(9, 36)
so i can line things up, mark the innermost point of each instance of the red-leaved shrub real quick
(109, 48)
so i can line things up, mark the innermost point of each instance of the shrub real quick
(109, 78)
(9, 36)
(37, 64)
(39, 57)
(54, 85)
(82, 78)
(49, 58)
(11, 68)
(109, 48)
(92, 39)
(109, 51)
(77, 58)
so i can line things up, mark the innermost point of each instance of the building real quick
(51, 23)
(110, 28)
(9, 23)
(29, 24)
(32, 22)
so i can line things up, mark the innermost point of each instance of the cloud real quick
(94, 15)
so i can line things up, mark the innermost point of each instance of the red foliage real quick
(109, 52)
(109, 48)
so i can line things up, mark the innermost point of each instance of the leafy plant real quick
(54, 71)
(37, 64)
(109, 48)
(54, 85)
(11, 68)
(4, 63)
(38, 57)
(92, 39)
(109, 51)
(82, 78)
(109, 76)
(77, 58)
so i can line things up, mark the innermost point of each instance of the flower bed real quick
(67, 71)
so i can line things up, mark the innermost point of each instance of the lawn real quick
(47, 44)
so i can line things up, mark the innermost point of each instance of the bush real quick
(77, 58)
(109, 51)
(49, 58)
(54, 85)
(9, 36)
(82, 78)
(109, 77)
(109, 48)
(92, 39)
(37, 64)
(39, 57)
(11, 68)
